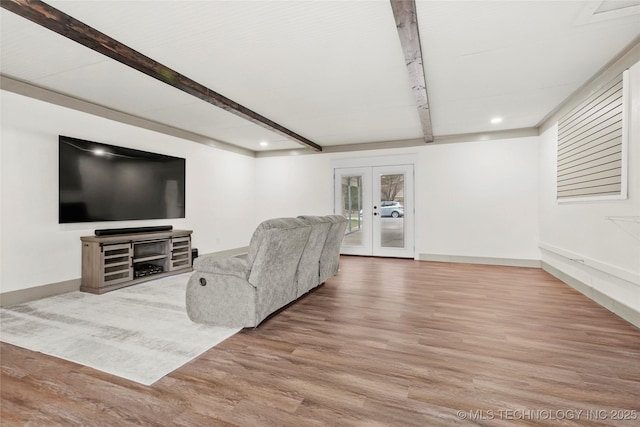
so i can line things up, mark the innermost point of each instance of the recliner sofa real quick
(287, 257)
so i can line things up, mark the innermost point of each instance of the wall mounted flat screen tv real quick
(101, 182)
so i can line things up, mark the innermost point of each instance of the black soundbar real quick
(132, 230)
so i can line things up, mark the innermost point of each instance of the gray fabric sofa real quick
(285, 260)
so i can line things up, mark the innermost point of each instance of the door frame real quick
(377, 161)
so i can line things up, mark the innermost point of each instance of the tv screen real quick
(101, 182)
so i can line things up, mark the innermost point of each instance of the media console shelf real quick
(115, 261)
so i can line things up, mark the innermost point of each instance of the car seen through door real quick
(392, 209)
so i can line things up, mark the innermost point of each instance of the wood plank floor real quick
(387, 342)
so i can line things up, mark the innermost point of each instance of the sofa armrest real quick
(232, 266)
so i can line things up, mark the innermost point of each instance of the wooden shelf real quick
(112, 262)
(150, 258)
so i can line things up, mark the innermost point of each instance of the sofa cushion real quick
(276, 255)
(233, 266)
(308, 276)
(262, 229)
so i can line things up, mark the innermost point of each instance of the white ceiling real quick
(331, 71)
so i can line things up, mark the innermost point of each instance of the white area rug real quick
(141, 333)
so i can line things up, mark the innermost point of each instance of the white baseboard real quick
(627, 313)
(629, 276)
(509, 262)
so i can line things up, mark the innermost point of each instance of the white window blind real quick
(591, 152)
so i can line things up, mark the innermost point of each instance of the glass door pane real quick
(353, 201)
(392, 211)
(352, 209)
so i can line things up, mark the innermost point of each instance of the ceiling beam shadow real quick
(67, 26)
(404, 12)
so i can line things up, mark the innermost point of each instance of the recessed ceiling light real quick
(99, 152)
(496, 120)
(264, 143)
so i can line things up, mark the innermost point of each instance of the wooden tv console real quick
(116, 261)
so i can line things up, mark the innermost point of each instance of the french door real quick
(378, 204)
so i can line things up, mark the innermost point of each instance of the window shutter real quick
(590, 146)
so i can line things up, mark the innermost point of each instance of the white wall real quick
(476, 199)
(479, 199)
(36, 250)
(292, 186)
(605, 254)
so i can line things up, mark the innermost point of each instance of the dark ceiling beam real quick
(65, 25)
(404, 12)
